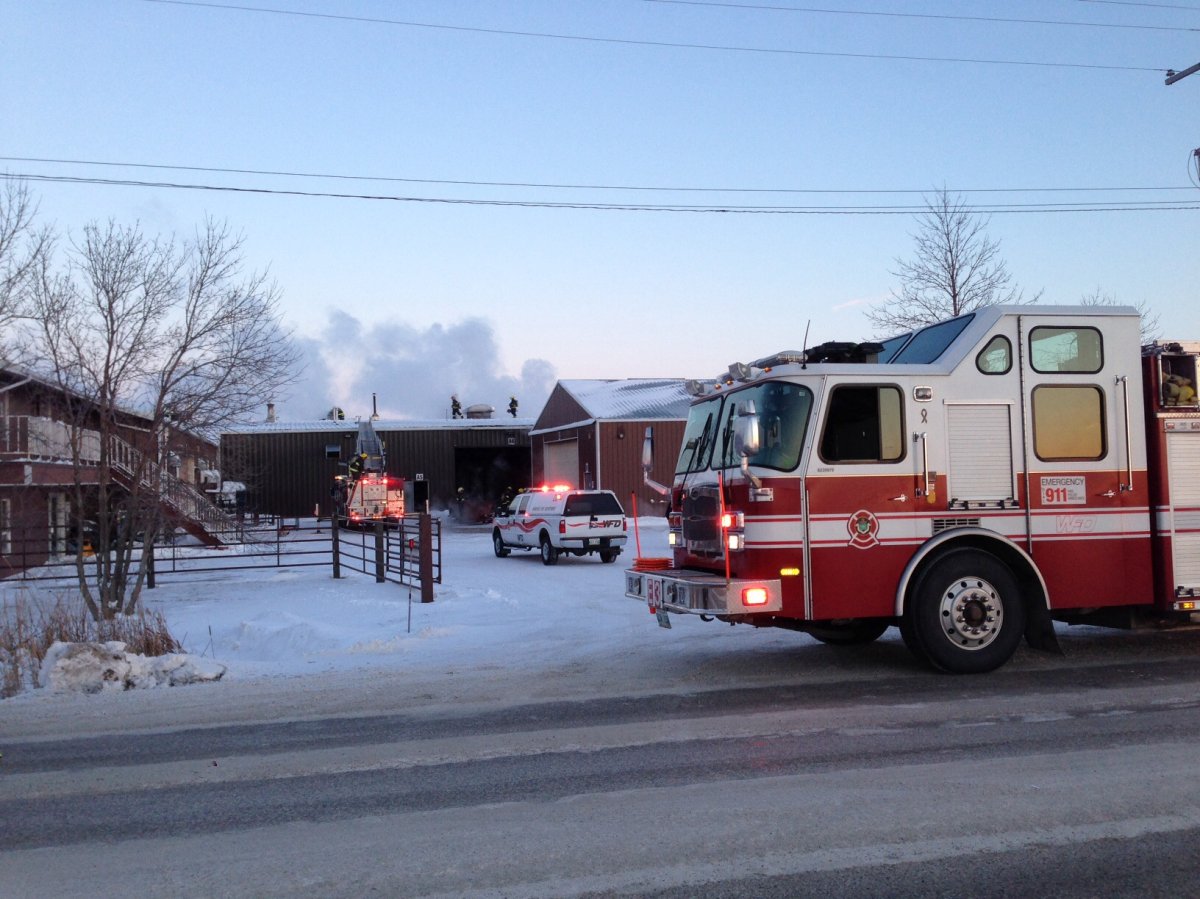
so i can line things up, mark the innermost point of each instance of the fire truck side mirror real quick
(747, 433)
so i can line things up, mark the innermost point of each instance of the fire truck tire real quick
(498, 545)
(851, 634)
(549, 553)
(965, 614)
(609, 555)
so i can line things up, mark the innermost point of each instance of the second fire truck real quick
(367, 493)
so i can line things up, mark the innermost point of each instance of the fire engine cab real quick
(971, 482)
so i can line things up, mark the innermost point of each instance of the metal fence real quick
(279, 546)
(399, 552)
(396, 551)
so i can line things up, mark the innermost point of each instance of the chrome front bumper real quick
(695, 593)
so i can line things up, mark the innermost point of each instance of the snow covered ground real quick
(299, 641)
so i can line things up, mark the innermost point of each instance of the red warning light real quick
(754, 596)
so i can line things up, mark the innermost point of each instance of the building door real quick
(561, 462)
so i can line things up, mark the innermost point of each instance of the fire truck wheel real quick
(849, 634)
(965, 613)
(498, 545)
(549, 553)
(608, 555)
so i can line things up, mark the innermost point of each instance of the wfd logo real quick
(863, 528)
(1075, 524)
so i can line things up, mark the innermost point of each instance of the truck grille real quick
(701, 514)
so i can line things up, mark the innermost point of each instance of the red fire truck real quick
(971, 482)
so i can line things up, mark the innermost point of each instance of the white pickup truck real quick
(561, 519)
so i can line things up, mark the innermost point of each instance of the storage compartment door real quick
(980, 462)
(1183, 467)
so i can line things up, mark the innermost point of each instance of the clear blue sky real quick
(488, 97)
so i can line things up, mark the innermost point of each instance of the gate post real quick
(337, 550)
(379, 567)
(148, 552)
(425, 540)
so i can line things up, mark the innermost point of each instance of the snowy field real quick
(298, 641)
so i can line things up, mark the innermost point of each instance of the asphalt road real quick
(1053, 776)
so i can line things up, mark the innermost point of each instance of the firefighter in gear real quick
(356, 466)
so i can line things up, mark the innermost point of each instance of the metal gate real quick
(406, 552)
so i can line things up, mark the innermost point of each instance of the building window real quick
(59, 508)
(1068, 423)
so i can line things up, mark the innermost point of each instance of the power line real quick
(1138, 206)
(912, 15)
(1151, 5)
(559, 186)
(662, 44)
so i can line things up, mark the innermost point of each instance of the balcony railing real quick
(46, 439)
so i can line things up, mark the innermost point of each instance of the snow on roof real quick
(636, 398)
(399, 424)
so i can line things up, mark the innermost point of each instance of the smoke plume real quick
(413, 371)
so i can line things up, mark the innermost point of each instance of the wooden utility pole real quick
(1173, 76)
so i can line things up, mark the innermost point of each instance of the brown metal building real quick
(465, 465)
(590, 434)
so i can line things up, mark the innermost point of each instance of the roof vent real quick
(480, 410)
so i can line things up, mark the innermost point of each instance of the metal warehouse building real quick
(464, 465)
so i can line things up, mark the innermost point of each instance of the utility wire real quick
(1138, 206)
(666, 44)
(554, 186)
(1151, 5)
(913, 15)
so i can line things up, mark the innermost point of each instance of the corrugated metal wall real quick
(288, 472)
(621, 461)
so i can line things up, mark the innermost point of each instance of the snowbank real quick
(93, 667)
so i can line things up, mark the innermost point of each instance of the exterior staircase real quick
(184, 505)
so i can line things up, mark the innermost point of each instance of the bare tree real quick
(175, 332)
(23, 247)
(956, 268)
(1150, 328)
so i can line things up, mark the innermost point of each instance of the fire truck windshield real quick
(698, 436)
(783, 411)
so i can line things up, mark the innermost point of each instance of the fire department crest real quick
(864, 529)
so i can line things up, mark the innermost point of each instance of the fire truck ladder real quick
(368, 442)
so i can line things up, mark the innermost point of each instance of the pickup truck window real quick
(593, 504)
